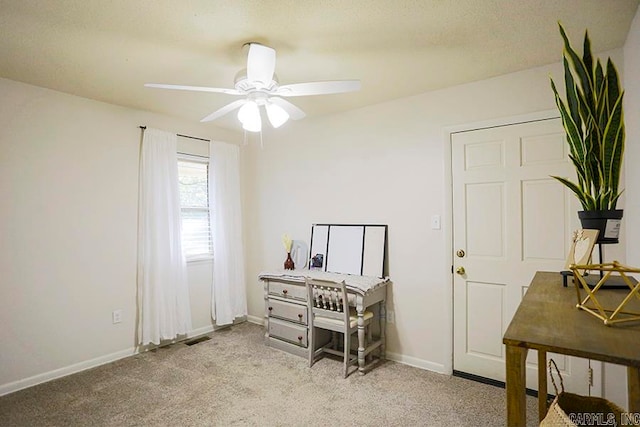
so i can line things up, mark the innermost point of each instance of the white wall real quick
(615, 375)
(382, 164)
(632, 123)
(68, 221)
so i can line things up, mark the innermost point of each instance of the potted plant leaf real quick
(593, 120)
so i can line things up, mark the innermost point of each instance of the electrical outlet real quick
(116, 316)
(391, 316)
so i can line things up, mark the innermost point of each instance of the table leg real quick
(383, 328)
(361, 337)
(542, 384)
(516, 383)
(633, 388)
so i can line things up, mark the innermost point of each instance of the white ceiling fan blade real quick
(195, 88)
(319, 88)
(294, 112)
(224, 110)
(261, 64)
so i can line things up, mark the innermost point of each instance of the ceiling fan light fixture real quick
(259, 86)
(276, 114)
(249, 116)
(252, 127)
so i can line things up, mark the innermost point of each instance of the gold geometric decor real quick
(626, 302)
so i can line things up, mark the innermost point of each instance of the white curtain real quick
(229, 299)
(163, 293)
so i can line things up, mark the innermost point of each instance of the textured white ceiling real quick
(107, 49)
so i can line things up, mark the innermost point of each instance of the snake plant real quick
(593, 120)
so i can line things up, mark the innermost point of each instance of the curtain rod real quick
(183, 136)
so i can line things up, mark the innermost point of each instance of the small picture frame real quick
(317, 261)
(582, 245)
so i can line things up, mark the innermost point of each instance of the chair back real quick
(328, 300)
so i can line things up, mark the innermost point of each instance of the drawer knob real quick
(284, 291)
(299, 337)
(300, 316)
(270, 308)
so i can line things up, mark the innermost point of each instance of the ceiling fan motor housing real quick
(242, 83)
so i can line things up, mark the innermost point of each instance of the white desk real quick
(285, 315)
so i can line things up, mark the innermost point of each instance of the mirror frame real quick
(369, 256)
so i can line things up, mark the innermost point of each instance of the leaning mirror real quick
(349, 248)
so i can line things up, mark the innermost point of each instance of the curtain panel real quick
(229, 300)
(163, 293)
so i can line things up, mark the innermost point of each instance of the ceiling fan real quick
(260, 88)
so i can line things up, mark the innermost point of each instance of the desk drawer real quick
(288, 290)
(287, 331)
(288, 311)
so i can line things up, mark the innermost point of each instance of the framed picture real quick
(582, 245)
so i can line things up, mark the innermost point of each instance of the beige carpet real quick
(234, 380)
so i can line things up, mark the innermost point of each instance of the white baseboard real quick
(417, 363)
(87, 364)
(400, 358)
(200, 331)
(67, 370)
(255, 319)
(92, 363)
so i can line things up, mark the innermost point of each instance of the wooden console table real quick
(547, 320)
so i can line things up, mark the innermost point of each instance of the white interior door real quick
(510, 219)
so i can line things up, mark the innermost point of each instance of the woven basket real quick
(568, 409)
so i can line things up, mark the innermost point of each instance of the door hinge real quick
(590, 374)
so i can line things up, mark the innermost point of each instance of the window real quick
(194, 207)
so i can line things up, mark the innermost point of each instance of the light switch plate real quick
(435, 222)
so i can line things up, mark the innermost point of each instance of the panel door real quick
(511, 219)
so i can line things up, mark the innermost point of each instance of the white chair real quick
(329, 309)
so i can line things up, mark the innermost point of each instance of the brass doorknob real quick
(460, 270)
(460, 253)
